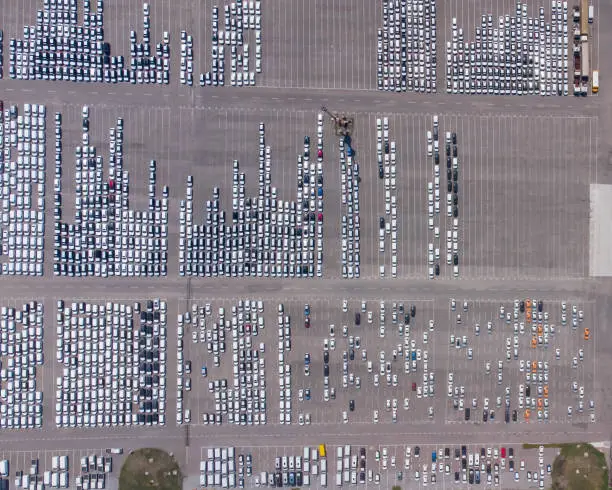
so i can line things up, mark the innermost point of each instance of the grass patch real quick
(572, 470)
(150, 469)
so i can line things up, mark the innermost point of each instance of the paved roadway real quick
(264, 99)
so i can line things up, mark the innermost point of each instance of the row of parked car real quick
(387, 224)
(58, 47)
(22, 188)
(21, 346)
(107, 238)
(146, 67)
(434, 191)
(243, 401)
(351, 229)
(266, 235)
(512, 55)
(406, 53)
(221, 468)
(240, 17)
(114, 364)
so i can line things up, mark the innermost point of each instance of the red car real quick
(320, 216)
(307, 322)
(320, 153)
(111, 183)
(503, 452)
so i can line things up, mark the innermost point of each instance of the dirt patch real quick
(150, 469)
(579, 466)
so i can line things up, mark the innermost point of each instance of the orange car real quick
(527, 414)
(528, 304)
(534, 365)
(540, 403)
(528, 315)
(587, 334)
(540, 330)
(546, 391)
(534, 342)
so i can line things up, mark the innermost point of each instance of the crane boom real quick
(342, 123)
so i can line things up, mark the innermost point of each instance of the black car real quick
(412, 311)
(357, 318)
(352, 354)
(326, 370)
(482, 452)
(540, 305)
(446, 452)
(381, 172)
(522, 306)
(352, 405)
(449, 186)
(485, 415)
(463, 451)
(528, 391)
(454, 138)
(456, 476)
(457, 453)
(381, 222)
(437, 269)
(467, 414)
(326, 357)
(417, 451)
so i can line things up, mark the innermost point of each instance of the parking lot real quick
(476, 198)
(22, 372)
(498, 182)
(418, 465)
(86, 468)
(506, 361)
(109, 367)
(487, 235)
(376, 371)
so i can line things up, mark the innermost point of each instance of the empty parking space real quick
(320, 45)
(516, 364)
(511, 166)
(497, 185)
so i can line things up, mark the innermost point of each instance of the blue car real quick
(204, 371)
